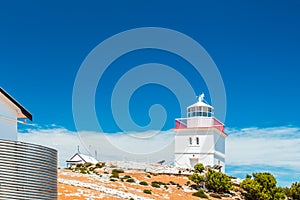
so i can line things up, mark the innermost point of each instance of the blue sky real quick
(254, 44)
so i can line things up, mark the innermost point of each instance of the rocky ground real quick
(98, 184)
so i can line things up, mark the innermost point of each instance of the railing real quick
(182, 123)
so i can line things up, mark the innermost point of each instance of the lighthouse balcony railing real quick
(208, 122)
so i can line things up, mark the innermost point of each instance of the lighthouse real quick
(200, 138)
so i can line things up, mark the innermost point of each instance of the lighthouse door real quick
(193, 162)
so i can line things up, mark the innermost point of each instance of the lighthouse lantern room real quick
(200, 138)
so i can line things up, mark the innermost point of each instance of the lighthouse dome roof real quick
(200, 103)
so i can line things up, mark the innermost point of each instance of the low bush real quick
(87, 164)
(130, 180)
(117, 171)
(155, 184)
(200, 194)
(294, 191)
(126, 176)
(217, 182)
(114, 175)
(143, 183)
(173, 183)
(79, 165)
(147, 191)
(83, 171)
(100, 164)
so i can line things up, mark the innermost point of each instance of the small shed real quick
(10, 112)
(79, 158)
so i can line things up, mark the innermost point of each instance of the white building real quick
(200, 138)
(79, 158)
(10, 112)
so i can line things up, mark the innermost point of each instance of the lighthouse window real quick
(190, 139)
(197, 140)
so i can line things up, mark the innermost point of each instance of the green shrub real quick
(179, 186)
(147, 191)
(117, 171)
(87, 164)
(172, 183)
(112, 179)
(200, 194)
(130, 180)
(196, 178)
(294, 191)
(100, 164)
(263, 186)
(79, 165)
(126, 176)
(114, 175)
(131, 198)
(148, 175)
(188, 183)
(155, 184)
(83, 171)
(199, 168)
(217, 181)
(143, 183)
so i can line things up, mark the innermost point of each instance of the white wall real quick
(8, 128)
(199, 122)
(183, 160)
(210, 151)
(220, 143)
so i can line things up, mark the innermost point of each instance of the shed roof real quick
(24, 112)
(81, 157)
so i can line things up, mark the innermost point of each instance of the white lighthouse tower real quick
(200, 138)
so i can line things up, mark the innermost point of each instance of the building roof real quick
(81, 157)
(200, 103)
(24, 113)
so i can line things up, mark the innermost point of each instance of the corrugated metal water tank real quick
(27, 171)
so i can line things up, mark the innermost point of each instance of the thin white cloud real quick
(277, 146)
(131, 146)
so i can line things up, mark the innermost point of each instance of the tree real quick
(199, 168)
(262, 187)
(217, 181)
(253, 189)
(196, 178)
(295, 191)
